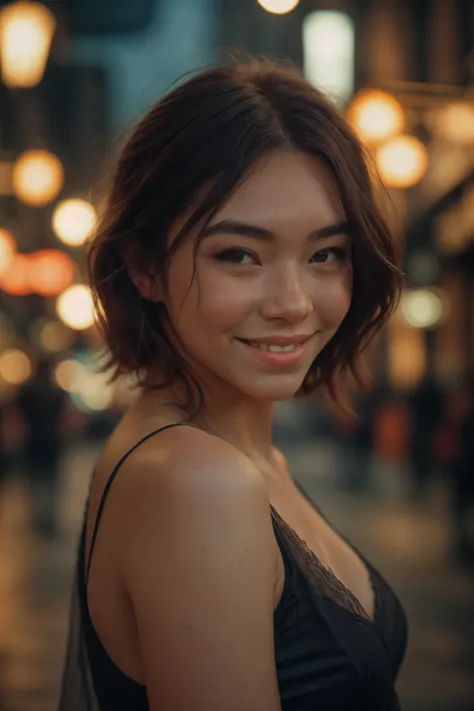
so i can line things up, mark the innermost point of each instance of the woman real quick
(241, 260)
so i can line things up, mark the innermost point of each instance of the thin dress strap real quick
(109, 484)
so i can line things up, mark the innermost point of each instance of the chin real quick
(273, 391)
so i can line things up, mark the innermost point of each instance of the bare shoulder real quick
(173, 457)
(194, 484)
(199, 566)
(191, 462)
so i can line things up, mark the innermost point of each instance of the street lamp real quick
(278, 7)
(375, 115)
(328, 52)
(402, 161)
(26, 33)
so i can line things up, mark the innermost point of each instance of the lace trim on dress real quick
(322, 579)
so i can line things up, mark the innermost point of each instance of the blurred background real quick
(398, 479)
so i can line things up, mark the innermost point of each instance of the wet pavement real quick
(409, 543)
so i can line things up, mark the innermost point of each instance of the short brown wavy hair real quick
(210, 131)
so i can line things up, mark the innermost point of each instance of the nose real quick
(287, 296)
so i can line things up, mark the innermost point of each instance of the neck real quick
(242, 421)
(245, 424)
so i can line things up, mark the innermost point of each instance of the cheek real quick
(212, 302)
(333, 300)
(181, 300)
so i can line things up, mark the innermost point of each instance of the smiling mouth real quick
(273, 348)
(275, 355)
(278, 344)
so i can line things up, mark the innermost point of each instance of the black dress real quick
(329, 655)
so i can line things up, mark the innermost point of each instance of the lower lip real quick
(280, 359)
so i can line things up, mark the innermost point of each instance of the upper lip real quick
(278, 340)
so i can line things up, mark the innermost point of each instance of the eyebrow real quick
(234, 227)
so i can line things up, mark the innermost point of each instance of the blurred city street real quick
(80, 77)
(409, 543)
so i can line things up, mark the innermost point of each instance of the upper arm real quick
(199, 567)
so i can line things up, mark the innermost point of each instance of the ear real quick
(145, 281)
(148, 287)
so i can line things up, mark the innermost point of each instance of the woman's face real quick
(273, 270)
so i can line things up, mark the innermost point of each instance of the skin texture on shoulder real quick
(198, 563)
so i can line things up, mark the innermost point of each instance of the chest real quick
(333, 552)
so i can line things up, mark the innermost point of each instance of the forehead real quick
(286, 187)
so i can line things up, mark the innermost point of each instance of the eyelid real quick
(241, 250)
(220, 255)
(336, 249)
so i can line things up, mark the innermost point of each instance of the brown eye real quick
(235, 256)
(328, 255)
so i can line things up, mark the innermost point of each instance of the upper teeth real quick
(267, 347)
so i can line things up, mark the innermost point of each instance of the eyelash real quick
(340, 253)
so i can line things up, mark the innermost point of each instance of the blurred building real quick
(420, 54)
(402, 70)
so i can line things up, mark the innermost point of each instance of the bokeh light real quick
(7, 249)
(16, 279)
(52, 271)
(89, 389)
(51, 336)
(329, 53)
(453, 232)
(278, 7)
(375, 115)
(95, 391)
(38, 177)
(406, 354)
(73, 220)
(68, 374)
(402, 161)
(455, 122)
(56, 337)
(423, 308)
(26, 32)
(15, 366)
(75, 307)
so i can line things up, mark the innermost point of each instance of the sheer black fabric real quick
(77, 689)
(329, 654)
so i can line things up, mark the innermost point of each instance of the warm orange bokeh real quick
(16, 280)
(375, 115)
(47, 272)
(38, 177)
(52, 272)
(7, 249)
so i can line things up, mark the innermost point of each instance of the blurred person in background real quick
(11, 435)
(462, 484)
(427, 404)
(241, 260)
(42, 405)
(355, 435)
